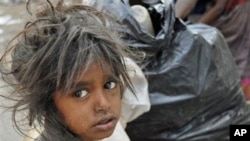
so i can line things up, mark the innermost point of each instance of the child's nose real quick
(102, 101)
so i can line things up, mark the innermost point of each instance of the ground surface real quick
(11, 18)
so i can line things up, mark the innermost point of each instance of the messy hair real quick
(55, 48)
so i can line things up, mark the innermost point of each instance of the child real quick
(69, 73)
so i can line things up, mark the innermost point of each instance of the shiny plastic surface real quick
(194, 87)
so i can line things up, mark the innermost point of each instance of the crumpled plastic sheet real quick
(194, 87)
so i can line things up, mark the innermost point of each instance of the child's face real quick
(92, 108)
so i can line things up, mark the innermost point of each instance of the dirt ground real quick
(12, 16)
(11, 19)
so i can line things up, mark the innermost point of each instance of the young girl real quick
(69, 73)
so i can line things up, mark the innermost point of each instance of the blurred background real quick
(11, 19)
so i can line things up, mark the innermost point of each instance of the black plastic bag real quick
(193, 81)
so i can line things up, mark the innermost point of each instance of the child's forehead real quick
(100, 65)
(87, 72)
(97, 68)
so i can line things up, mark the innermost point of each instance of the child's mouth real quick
(106, 123)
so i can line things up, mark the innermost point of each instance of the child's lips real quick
(106, 123)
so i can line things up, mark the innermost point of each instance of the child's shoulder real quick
(65, 137)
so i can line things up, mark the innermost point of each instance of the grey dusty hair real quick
(54, 49)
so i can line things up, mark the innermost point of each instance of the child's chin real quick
(105, 135)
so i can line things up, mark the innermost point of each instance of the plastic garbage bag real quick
(194, 87)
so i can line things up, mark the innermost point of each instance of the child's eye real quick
(110, 85)
(80, 93)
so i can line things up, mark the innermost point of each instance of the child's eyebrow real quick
(112, 76)
(79, 85)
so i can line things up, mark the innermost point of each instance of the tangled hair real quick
(58, 46)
